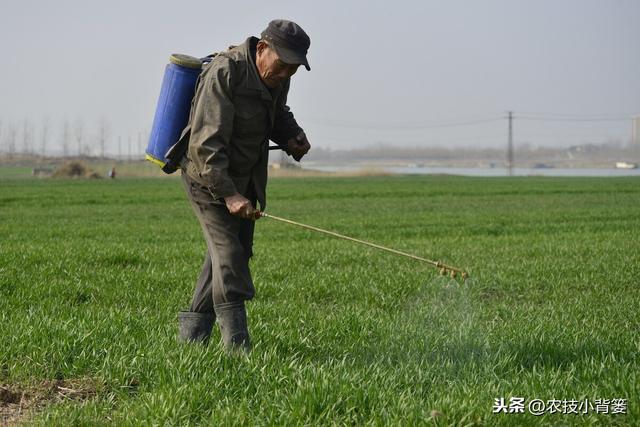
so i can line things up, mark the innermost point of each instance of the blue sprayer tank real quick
(174, 104)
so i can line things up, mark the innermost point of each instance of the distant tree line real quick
(67, 139)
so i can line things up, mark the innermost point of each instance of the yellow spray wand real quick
(444, 269)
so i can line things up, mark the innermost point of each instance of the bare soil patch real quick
(19, 402)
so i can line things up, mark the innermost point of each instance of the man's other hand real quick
(299, 146)
(240, 206)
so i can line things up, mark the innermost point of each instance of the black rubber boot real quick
(195, 327)
(232, 318)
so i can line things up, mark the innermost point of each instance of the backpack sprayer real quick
(171, 117)
(172, 111)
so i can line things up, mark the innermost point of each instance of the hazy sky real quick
(382, 72)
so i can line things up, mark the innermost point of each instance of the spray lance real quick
(444, 269)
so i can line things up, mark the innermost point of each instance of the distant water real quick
(406, 170)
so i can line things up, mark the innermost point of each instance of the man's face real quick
(271, 69)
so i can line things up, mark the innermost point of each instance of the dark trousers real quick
(225, 275)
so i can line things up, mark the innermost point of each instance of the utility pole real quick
(119, 148)
(510, 145)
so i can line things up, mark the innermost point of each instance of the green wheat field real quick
(93, 273)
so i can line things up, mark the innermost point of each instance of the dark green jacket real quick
(233, 116)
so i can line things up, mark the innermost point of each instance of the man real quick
(239, 105)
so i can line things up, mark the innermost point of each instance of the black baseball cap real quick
(289, 40)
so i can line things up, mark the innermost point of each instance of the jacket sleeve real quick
(212, 126)
(285, 126)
